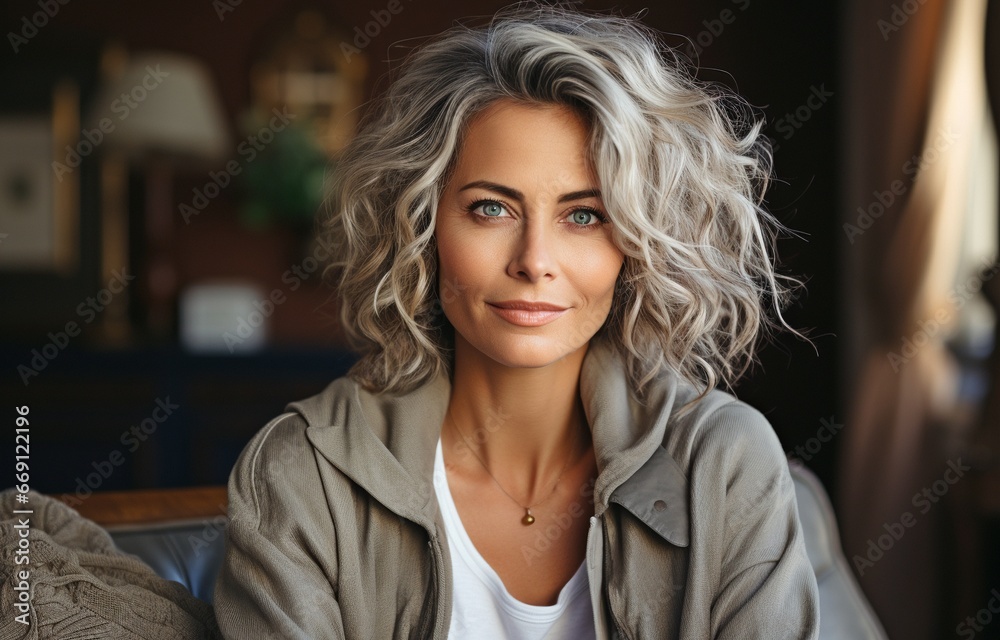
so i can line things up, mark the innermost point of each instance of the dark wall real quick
(782, 57)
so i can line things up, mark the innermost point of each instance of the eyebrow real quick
(514, 194)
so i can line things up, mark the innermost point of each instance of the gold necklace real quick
(528, 519)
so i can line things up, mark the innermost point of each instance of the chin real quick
(527, 352)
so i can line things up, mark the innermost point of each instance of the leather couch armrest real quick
(844, 610)
(177, 532)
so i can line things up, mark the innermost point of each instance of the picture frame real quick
(39, 202)
(50, 212)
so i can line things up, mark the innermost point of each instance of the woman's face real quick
(521, 221)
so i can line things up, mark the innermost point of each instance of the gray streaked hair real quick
(682, 167)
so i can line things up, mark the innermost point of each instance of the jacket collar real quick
(386, 442)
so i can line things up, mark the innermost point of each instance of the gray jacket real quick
(335, 530)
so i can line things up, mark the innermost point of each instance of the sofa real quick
(179, 533)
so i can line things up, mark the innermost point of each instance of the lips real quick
(524, 305)
(527, 314)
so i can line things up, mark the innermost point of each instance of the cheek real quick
(447, 279)
(468, 256)
(449, 251)
(461, 269)
(454, 260)
(607, 265)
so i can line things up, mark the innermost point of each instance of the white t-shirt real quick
(482, 608)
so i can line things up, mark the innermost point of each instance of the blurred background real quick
(162, 165)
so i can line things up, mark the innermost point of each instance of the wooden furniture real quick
(122, 509)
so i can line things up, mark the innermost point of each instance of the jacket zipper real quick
(619, 629)
(430, 615)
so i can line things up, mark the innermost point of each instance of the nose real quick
(533, 253)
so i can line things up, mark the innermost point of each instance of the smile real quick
(532, 316)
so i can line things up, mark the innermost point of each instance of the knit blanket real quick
(68, 581)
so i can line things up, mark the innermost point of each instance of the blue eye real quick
(586, 217)
(488, 209)
(492, 209)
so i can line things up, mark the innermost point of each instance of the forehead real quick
(523, 140)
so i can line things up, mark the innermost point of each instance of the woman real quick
(552, 252)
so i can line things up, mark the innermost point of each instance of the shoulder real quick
(729, 450)
(721, 425)
(278, 465)
(281, 441)
(725, 425)
(275, 460)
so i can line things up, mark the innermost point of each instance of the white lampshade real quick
(163, 103)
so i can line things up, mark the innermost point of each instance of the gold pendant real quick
(528, 518)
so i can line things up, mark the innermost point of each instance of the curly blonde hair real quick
(682, 167)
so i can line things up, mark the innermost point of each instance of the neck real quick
(525, 425)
